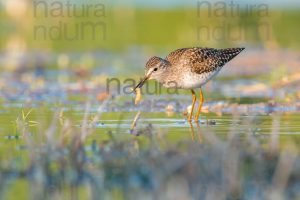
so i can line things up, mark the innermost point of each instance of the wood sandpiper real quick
(188, 68)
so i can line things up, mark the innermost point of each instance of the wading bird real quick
(188, 68)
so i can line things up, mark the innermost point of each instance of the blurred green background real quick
(47, 25)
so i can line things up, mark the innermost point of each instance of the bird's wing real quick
(175, 56)
(203, 60)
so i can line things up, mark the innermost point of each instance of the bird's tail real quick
(228, 54)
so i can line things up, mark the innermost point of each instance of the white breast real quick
(186, 79)
(192, 80)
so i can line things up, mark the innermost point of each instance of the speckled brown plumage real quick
(188, 68)
(153, 61)
(156, 60)
(202, 60)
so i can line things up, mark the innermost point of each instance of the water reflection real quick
(196, 136)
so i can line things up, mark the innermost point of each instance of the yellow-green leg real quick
(193, 105)
(201, 100)
(192, 131)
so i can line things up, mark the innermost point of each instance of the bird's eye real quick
(155, 69)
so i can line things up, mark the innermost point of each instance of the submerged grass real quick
(64, 163)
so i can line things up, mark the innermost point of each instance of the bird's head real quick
(154, 69)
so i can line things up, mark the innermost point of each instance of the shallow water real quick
(243, 105)
(173, 126)
(36, 120)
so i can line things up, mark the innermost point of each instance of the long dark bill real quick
(141, 83)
